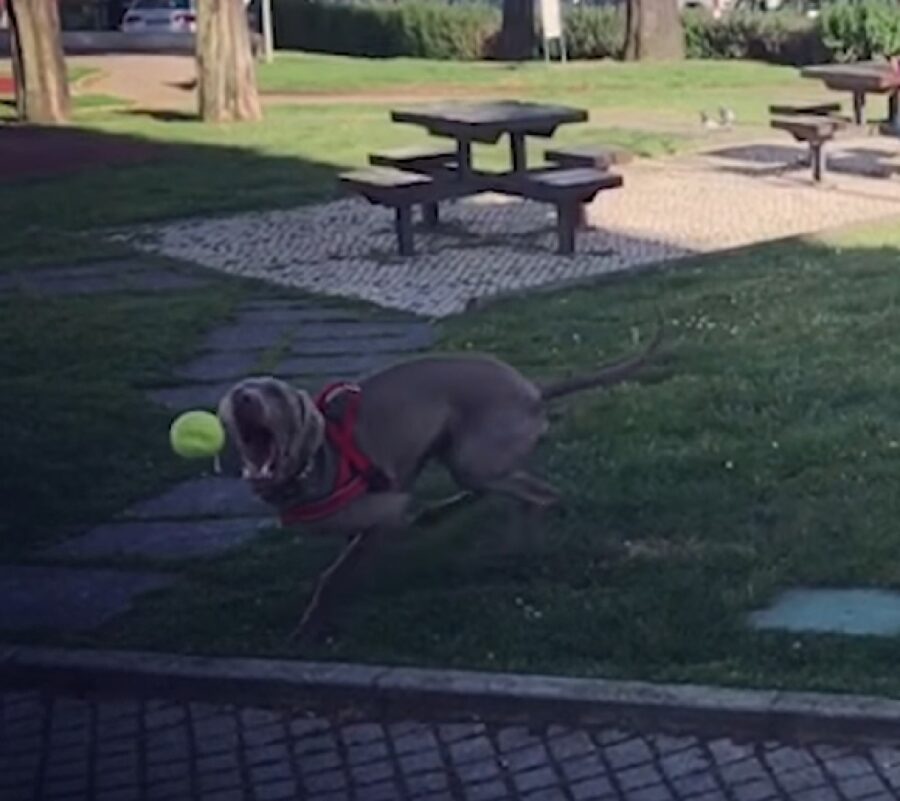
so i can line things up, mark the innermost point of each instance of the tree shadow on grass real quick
(79, 178)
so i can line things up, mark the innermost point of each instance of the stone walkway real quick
(67, 748)
(303, 341)
(668, 209)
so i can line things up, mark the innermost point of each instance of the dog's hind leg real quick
(436, 511)
(534, 495)
(526, 487)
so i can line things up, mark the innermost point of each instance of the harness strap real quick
(356, 474)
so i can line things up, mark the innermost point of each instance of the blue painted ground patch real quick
(874, 612)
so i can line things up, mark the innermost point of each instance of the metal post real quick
(267, 31)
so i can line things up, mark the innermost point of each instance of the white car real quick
(162, 16)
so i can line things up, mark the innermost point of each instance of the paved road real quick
(65, 748)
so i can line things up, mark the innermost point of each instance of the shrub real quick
(847, 30)
(780, 38)
(595, 33)
(419, 29)
(861, 29)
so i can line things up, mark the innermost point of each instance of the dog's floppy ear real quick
(312, 426)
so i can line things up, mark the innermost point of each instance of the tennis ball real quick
(197, 435)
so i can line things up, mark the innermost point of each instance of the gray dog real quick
(346, 462)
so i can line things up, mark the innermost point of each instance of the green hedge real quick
(854, 30)
(846, 30)
(779, 38)
(417, 29)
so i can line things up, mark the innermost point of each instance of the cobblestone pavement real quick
(732, 196)
(65, 748)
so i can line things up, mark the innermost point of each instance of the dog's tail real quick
(609, 374)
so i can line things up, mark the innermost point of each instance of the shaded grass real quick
(291, 159)
(759, 453)
(81, 441)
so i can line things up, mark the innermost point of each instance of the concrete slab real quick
(206, 497)
(834, 611)
(173, 539)
(345, 365)
(69, 599)
(190, 396)
(99, 278)
(220, 365)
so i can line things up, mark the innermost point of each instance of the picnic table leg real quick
(517, 146)
(894, 112)
(859, 108)
(566, 221)
(430, 214)
(818, 162)
(464, 157)
(404, 227)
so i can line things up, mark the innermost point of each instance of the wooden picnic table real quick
(865, 77)
(487, 122)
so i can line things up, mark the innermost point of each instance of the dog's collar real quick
(356, 474)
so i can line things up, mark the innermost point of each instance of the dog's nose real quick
(242, 397)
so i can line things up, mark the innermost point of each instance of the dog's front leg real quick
(329, 584)
(372, 516)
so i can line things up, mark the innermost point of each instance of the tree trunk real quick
(516, 41)
(653, 30)
(225, 70)
(39, 67)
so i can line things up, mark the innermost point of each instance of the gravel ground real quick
(668, 209)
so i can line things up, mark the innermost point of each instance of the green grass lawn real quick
(760, 453)
(669, 91)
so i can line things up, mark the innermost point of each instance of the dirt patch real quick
(28, 152)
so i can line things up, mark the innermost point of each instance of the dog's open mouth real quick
(257, 442)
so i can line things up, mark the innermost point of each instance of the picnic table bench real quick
(425, 176)
(815, 131)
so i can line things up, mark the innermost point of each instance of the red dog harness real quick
(356, 474)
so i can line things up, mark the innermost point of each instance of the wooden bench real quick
(397, 189)
(804, 109)
(418, 158)
(598, 157)
(415, 158)
(569, 190)
(813, 130)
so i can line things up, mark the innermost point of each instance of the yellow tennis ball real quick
(197, 435)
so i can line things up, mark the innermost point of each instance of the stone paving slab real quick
(207, 396)
(190, 396)
(220, 365)
(205, 497)
(344, 364)
(244, 335)
(99, 278)
(167, 539)
(668, 209)
(55, 746)
(69, 600)
(366, 336)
